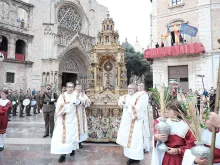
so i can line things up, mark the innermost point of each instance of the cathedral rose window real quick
(69, 17)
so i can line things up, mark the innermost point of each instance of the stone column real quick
(119, 76)
(11, 48)
(95, 76)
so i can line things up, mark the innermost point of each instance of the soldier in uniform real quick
(49, 98)
(10, 98)
(36, 97)
(28, 107)
(16, 104)
(21, 99)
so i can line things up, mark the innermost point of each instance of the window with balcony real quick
(10, 77)
(3, 46)
(20, 50)
(22, 19)
(182, 39)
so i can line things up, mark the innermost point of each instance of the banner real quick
(189, 30)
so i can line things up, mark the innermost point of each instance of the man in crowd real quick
(85, 102)
(146, 132)
(28, 107)
(49, 97)
(11, 98)
(21, 99)
(130, 134)
(212, 100)
(37, 98)
(205, 93)
(16, 103)
(67, 131)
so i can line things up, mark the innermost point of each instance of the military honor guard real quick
(28, 107)
(5, 105)
(66, 134)
(37, 98)
(12, 100)
(16, 103)
(49, 97)
(21, 99)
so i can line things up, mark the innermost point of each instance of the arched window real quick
(20, 50)
(4, 9)
(70, 18)
(3, 46)
(22, 18)
(20, 47)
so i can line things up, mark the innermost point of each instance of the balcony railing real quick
(19, 57)
(186, 49)
(4, 54)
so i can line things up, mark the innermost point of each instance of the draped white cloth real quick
(146, 127)
(131, 138)
(85, 102)
(65, 136)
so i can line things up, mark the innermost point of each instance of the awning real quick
(187, 49)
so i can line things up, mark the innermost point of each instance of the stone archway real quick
(73, 67)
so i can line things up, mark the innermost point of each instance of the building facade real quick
(47, 41)
(183, 65)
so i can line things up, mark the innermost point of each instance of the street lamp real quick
(202, 76)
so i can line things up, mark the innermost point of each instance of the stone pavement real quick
(25, 146)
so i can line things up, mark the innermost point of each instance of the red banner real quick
(187, 49)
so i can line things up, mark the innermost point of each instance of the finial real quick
(126, 39)
(108, 15)
(136, 39)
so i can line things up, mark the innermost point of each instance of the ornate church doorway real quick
(73, 66)
(68, 77)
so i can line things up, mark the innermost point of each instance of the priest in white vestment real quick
(146, 128)
(130, 134)
(66, 133)
(85, 102)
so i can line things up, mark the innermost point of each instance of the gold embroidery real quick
(83, 114)
(133, 122)
(77, 115)
(63, 120)
(64, 128)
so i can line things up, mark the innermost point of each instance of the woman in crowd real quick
(5, 104)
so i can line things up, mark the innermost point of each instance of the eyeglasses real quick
(69, 86)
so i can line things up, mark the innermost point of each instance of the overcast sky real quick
(132, 19)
